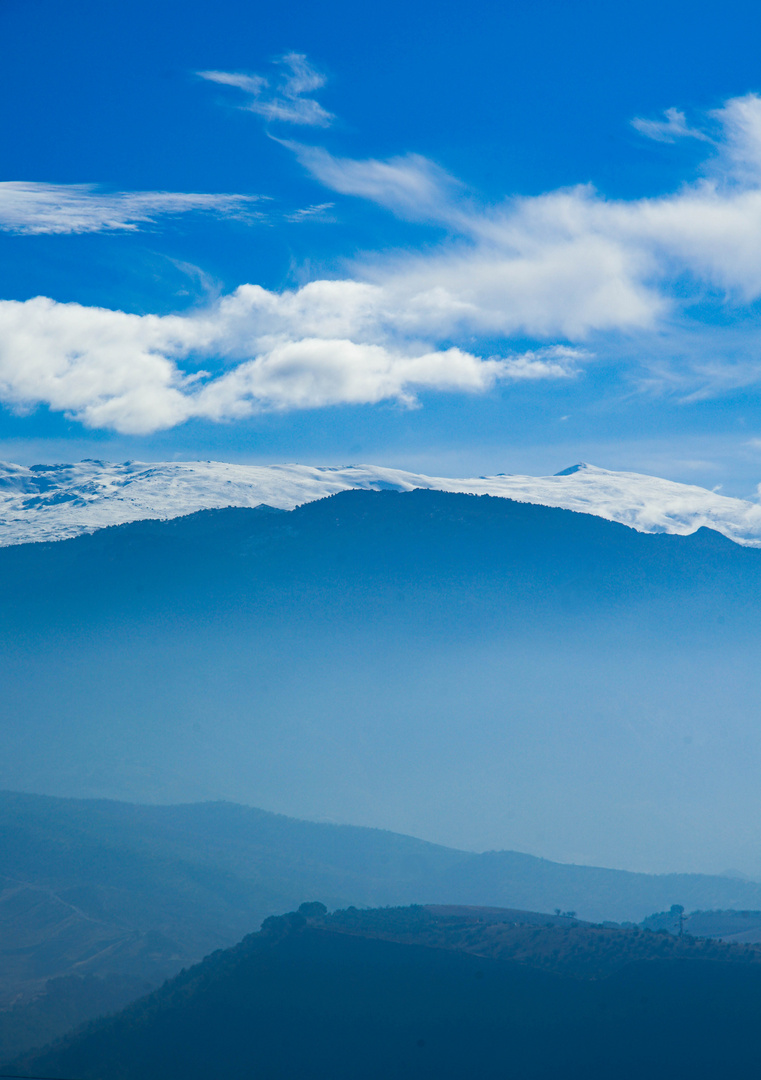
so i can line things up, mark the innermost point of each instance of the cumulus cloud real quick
(286, 102)
(133, 373)
(315, 372)
(79, 208)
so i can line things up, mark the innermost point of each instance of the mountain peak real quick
(579, 467)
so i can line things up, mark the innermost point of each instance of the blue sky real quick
(454, 238)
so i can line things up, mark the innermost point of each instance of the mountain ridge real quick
(54, 502)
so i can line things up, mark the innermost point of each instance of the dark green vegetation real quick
(359, 543)
(414, 993)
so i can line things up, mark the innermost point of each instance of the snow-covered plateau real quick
(54, 502)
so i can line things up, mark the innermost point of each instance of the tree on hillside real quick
(677, 910)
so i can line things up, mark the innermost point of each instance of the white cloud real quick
(736, 138)
(79, 208)
(740, 147)
(669, 130)
(249, 84)
(318, 212)
(286, 103)
(567, 283)
(106, 368)
(110, 369)
(570, 263)
(569, 266)
(315, 372)
(410, 185)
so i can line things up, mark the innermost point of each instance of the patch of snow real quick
(54, 502)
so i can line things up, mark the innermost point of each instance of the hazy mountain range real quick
(480, 672)
(52, 502)
(484, 672)
(107, 889)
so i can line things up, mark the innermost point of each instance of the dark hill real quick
(558, 943)
(300, 1000)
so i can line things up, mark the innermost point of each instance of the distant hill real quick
(317, 999)
(107, 888)
(512, 879)
(736, 926)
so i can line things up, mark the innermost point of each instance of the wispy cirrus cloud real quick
(673, 127)
(569, 262)
(409, 185)
(738, 158)
(287, 101)
(315, 212)
(28, 207)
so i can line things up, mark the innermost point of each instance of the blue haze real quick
(471, 671)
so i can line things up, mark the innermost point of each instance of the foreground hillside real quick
(100, 901)
(343, 997)
(64, 1004)
(104, 888)
(558, 943)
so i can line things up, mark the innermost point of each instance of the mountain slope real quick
(107, 889)
(53, 502)
(304, 1000)
(95, 887)
(63, 1005)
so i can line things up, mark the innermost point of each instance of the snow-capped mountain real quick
(53, 502)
